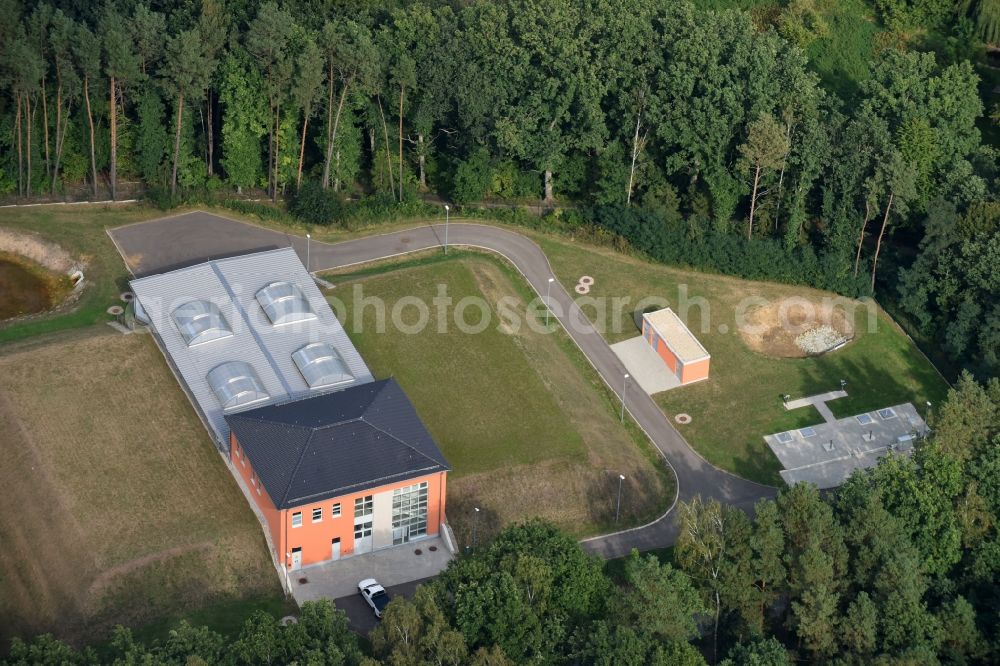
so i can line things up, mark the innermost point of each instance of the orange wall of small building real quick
(315, 539)
(661, 347)
(693, 372)
(687, 373)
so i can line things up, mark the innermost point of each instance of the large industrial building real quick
(334, 462)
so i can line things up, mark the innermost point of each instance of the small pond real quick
(25, 290)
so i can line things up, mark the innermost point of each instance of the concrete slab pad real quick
(833, 473)
(392, 566)
(645, 366)
(815, 399)
(827, 453)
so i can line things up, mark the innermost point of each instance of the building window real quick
(409, 513)
(363, 506)
(317, 515)
(297, 519)
(363, 530)
(335, 510)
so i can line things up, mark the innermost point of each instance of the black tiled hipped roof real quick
(336, 443)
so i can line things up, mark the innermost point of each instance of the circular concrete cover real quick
(115, 310)
(683, 419)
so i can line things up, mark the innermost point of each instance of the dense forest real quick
(701, 134)
(900, 566)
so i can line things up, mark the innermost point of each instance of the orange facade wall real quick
(660, 346)
(315, 537)
(686, 372)
(696, 371)
(257, 492)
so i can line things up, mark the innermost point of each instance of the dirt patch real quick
(777, 329)
(40, 251)
(104, 579)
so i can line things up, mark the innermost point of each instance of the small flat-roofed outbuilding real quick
(686, 357)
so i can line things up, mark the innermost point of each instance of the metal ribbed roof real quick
(231, 286)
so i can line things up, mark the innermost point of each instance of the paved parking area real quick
(392, 566)
(359, 614)
(827, 453)
(176, 241)
(645, 366)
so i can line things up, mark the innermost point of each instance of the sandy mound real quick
(40, 251)
(796, 327)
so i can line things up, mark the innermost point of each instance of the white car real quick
(375, 595)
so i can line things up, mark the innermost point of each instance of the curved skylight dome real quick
(284, 303)
(200, 322)
(235, 383)
(321, 365)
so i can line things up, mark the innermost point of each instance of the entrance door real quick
(296, 559)
(336, 549)
(363, 537)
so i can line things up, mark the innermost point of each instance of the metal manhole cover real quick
(418, 552)
(303, 581)
(433, 549)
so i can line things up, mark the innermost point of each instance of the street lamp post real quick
(618, 508)
(548, 307)
(475, 525)
(624, 387)
(446, 209)
(308, 252)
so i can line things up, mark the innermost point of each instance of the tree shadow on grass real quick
(871, 386)
(471, 529)
(638, 503)
(759, 464)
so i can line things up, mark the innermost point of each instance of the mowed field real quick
(115, 507)
(526, 423)
(741, 401)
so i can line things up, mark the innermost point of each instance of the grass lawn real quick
(741, 401)
(116, 507)
(525, 422)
